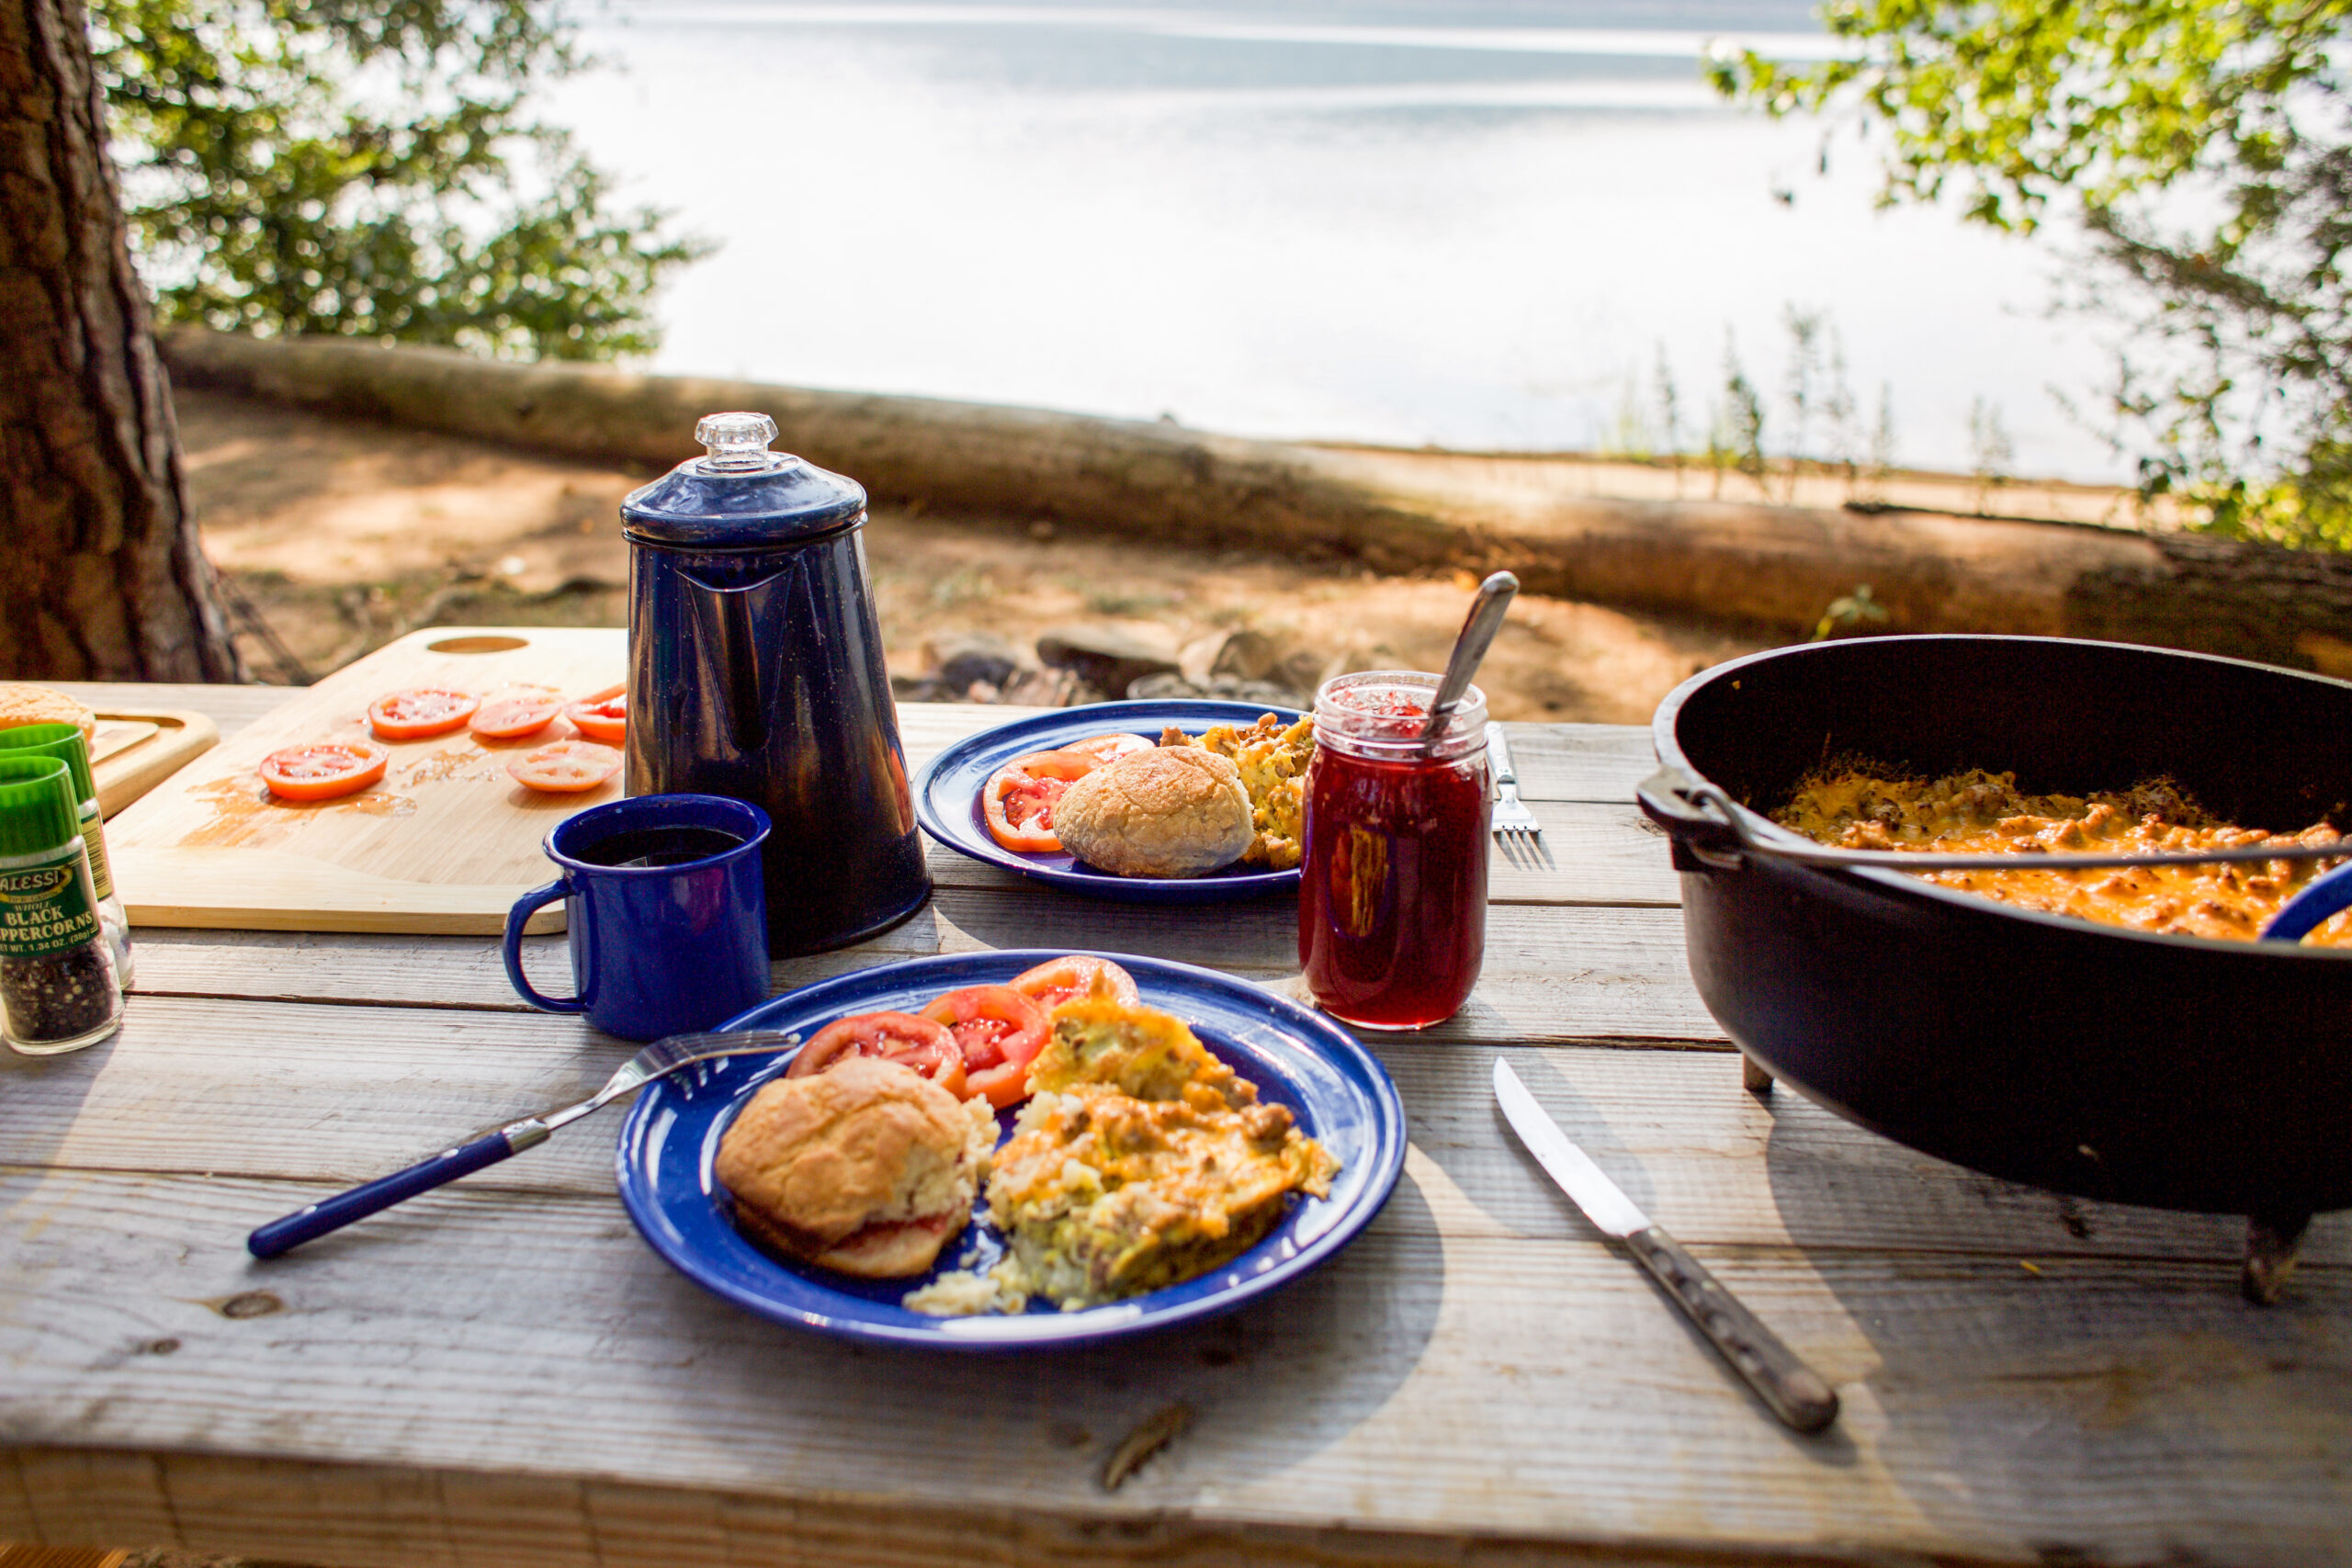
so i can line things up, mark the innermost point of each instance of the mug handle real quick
(518, 916)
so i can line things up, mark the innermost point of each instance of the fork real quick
(658, 1060)
(1517, 832)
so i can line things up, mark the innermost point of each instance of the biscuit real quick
(1171, 811)
(23, 702)
(866, 1168)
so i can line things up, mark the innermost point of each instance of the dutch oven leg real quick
(1753, 1078)
(2271, 1245)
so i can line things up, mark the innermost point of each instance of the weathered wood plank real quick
(2122, 1412)
(229, 707)
(1597, 763)
(1600, 848)
(1551, 973)
(1592, 854)
(384, 1517)
(499, 1374)
(1709, 1161)
(1581, 762)
(1557, 762)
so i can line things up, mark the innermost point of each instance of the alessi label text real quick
(46, 909)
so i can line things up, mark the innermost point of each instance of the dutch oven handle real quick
(1702, 840)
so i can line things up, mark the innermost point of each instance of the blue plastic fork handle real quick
(2306, 909)
(333, 1214)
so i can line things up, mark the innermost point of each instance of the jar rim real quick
(1392, 734)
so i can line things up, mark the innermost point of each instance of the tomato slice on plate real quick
(1019, 800)
(509, 718)
(567, 767)
(916, 1042)
(323, 770)
(1058, 980)
(604, 719)
(420, 711)
(1000, 1032)
(1107, 747)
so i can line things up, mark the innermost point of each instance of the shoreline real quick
(1763, 562)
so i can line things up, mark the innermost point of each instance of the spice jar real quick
(1392, 898)
(59, 990)
(64, 742)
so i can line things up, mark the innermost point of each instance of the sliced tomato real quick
(510, 719)
(916, 1042)
(420, 711)
(1058, 980)
(1000, 1032)
(567, 767)
(599, 719)
(323, 770)
(1019, 801)
(1108, 748)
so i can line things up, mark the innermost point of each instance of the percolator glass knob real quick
(737, 443)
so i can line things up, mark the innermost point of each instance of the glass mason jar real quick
(1392, 897)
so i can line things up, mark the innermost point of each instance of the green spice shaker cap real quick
(38, 809)
(62, 741)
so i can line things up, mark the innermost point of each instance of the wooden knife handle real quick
(1797, 1393)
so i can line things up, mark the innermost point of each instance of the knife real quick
(1795, 1391)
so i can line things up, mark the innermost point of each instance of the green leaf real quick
(369, 168)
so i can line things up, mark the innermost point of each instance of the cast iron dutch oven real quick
(2172, 1071)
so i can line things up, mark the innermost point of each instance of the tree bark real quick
(101, 576)
(2226, 596)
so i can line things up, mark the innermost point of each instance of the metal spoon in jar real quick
(1479, 629)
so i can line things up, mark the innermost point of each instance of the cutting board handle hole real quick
(478, 644)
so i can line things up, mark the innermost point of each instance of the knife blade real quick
(1791, 1390)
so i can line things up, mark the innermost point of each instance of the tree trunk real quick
(102, 578)
(2226, 596)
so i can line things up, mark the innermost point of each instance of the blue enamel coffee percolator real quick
(755, 672)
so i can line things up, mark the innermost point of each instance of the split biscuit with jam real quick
(867, 1169)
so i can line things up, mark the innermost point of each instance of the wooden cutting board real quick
(444, 844)
(137, 748)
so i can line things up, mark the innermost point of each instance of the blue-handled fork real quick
(660, 1059)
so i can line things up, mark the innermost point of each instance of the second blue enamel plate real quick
(947, 797)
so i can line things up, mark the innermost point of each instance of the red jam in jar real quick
(1392, 897)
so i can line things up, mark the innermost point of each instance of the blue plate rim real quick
(1310, 1029)
(1108, 715)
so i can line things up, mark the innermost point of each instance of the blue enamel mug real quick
(667, 910)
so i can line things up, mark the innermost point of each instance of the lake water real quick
(1476, 226)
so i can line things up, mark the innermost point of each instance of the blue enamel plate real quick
(947, 797)
(1341, 1095)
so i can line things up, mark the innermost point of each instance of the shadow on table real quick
(41, 1096)
(2080, 1379)
(1252, 934)
(1459, 1127)
(1262, 1389)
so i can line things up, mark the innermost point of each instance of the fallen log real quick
(1777, 567)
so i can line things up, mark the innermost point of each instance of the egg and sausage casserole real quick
(1140, 1161)
(1978, 812)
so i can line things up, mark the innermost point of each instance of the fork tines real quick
(1517, 834)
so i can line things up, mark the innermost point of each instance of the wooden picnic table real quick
(502, 1372)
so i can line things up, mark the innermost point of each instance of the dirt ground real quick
(337, 536)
